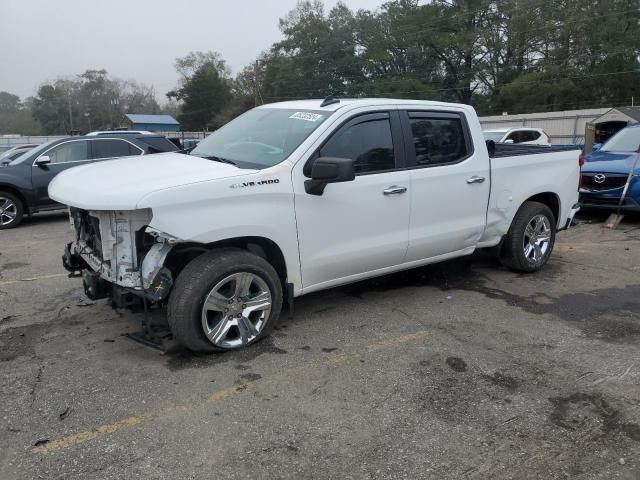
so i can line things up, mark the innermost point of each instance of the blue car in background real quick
(605, 172)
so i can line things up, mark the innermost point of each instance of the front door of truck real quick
(362, 225)
(450, 183)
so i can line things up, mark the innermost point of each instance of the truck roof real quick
(314, 104)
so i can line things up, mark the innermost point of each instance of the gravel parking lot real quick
(461, 370)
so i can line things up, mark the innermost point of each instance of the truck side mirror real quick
(325, 170)
(509, 140)
(43, 160)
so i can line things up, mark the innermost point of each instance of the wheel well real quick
(550, 199)
(16, 192)
(263, 247)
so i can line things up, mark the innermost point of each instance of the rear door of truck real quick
(450, 183)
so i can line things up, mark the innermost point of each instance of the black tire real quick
(196, 281)
(19, 210)
(513, 254)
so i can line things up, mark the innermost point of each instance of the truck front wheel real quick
(529, 242)
(224, 299)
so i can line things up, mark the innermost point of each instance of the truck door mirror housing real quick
(509, 140)
(43, 160)
(325, 170)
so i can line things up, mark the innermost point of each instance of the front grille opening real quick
(603, 181)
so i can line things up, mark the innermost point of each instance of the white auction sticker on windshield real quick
(307, 116)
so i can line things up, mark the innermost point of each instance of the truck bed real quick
(518, 172)
(514, 150)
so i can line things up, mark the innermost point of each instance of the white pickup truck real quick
(296, 197)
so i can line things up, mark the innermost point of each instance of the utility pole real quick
(70, 113)
(114, 106)
(255, 83)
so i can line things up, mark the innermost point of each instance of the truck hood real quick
(610, 162)
(120, 184)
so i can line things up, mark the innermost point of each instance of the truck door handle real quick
(394, 190)
(475, 179)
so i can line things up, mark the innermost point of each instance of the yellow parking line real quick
(217, 396)
(33, 279)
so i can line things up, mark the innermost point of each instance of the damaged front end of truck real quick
(120, 257)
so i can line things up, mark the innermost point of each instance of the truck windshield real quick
(626, 140)
(260, 138)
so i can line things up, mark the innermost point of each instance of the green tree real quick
(205, 89)
(90, 101)
(15, 116)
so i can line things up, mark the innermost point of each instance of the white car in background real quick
(523, 136)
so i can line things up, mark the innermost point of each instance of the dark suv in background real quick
(24, 182)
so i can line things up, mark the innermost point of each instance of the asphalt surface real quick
(462, 370)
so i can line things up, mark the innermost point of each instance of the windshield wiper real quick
(218, 159)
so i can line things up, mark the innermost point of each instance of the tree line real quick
(514, 56)
(89, 101)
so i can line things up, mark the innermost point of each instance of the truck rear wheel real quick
(224, 300)
(11, 210)
(530, 239)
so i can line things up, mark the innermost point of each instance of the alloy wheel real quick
(537, 239)
(236, 310)
(8, 211)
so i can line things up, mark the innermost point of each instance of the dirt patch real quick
(609, 314)
(250, 377)
(457, 364)
(20, 341)
(14, 265)
(502, 380)
(590, 415)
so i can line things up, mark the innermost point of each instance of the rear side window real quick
(368, 143)
(530, 136)
(113, 148)
(438, 140)
(158, 144)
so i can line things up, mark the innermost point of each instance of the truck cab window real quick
(438, 141)
(369, 144)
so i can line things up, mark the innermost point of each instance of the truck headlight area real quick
(117, 248)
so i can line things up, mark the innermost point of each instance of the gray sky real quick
(132, 39)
